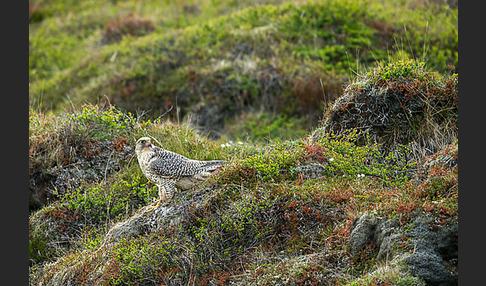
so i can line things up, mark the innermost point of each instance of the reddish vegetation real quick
(130, 24)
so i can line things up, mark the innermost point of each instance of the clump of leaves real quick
(342, 155)
(132, 260)
(270, 164)
(102, 204)
(104, 122)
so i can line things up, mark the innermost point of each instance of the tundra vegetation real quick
(338, 120)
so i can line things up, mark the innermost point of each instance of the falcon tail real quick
(212, 165)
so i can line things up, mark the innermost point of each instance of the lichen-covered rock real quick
(429, 251)
(434, 255)
(310, 171)
(363, 232)
(142, 222)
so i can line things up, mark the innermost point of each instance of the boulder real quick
(431, 253)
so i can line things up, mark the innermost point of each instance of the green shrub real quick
(343, 156)
(270, 164)
(337, 155)
(135, 259)
(102, 204)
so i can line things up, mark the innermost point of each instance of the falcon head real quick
(143, 144)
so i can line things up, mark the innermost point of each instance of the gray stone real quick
(432, 254)
(310, 171)
(363, 232)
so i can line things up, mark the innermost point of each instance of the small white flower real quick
(240, 143)
(331, 159)
(223, 145)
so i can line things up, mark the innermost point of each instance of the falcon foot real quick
(152, 207)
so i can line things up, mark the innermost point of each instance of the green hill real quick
(226, 66)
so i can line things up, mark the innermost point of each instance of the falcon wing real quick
(169, 164)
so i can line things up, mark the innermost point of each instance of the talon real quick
(152, 207)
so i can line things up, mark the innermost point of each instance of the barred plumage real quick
(169, 170)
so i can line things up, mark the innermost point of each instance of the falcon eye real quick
(142, 141)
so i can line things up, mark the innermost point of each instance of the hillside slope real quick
(342, 207)
(230, 68)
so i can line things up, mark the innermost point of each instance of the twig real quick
(107, 100)
(167, 111)
(323, 93)
(107, 163)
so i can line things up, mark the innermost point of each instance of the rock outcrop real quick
(427, 249)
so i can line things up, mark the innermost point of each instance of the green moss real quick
(38, 245)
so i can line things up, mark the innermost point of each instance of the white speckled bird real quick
(169, 170)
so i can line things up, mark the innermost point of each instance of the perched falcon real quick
(169, 170)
